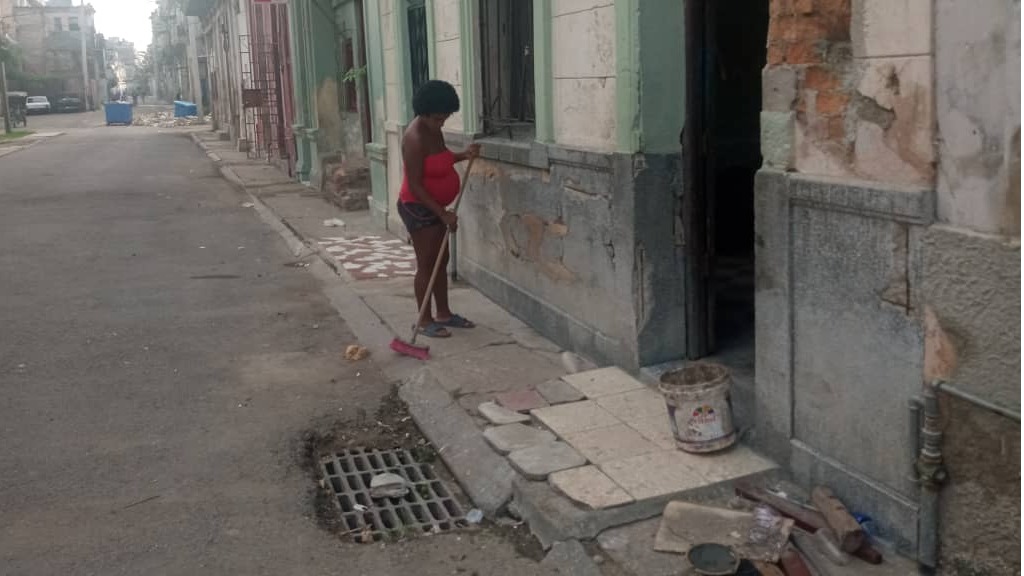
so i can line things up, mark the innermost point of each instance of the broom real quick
(410, 348)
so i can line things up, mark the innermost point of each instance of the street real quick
(160, 363)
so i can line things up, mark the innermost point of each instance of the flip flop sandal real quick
(457, 321)
(435, 330)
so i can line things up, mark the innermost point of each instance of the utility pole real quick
(4, 107)
(86, 101)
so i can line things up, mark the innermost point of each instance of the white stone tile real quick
(500, 415)
(589, 486)
(574, 417)
(653, 474)
(611, 443)
(657, 430)
(635, 405)
(603, 382)
(512, 437)
(537, 462)
(734, 463)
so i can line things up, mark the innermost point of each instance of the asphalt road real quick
(159, 363)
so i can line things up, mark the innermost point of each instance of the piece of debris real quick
(713, 559)
(360, 508)
(355, 352)
(685, 525)
(388, 485)
(816, 560)
(826, 542)
(334, 223)
(848, 531)
(475, 516)
(571, 362)
(247, 205)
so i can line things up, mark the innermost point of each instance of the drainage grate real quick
(428, 506)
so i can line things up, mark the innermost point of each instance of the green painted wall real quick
(662, 76)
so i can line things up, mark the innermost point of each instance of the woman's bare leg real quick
(426, 242)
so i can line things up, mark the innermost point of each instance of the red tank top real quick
(439, 179)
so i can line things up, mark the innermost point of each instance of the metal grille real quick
(264, 59)
(428, 507)
(417, 18)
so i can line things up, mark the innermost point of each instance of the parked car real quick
(38, 105)
(69, 104)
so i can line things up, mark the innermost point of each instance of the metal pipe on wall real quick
(931, 475)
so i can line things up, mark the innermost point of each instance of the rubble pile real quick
(167, 120)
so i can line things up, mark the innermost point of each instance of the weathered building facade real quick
(655, 173)
(888, 256)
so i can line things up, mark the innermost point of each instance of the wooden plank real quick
(847, 530)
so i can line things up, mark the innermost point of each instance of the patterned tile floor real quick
(372, 257)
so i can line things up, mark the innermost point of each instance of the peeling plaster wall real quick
(978, 85)
(583, 65)
(879, 118)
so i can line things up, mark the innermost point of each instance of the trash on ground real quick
(388, 485)
(334, 223)
(167, 120)
(848, 531)
(360, 508)
(247, 204)
(685, 525)
(570, 362)
(713, 559)
(475, 516)
(355, 352)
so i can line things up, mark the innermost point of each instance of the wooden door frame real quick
(695, 191)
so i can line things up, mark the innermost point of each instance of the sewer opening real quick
(428, 507)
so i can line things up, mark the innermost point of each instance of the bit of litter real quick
(167, 120)
(685, 525)
(334, 223)
(570, 362)
(388, 485)
(475, 516)
(360, 508)
(247, 205)
(202, 247)
(355, 352)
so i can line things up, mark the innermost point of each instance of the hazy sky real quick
(128, 19)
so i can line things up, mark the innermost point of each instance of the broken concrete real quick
(512, 437)
(537, 462)
(499, 415)
(570, 557)
(559, 391)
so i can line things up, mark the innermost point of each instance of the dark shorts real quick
(417, 216)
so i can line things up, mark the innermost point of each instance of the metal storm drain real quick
(427, 507)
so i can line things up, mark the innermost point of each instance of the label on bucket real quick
(705, 422)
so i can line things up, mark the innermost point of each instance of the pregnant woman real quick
(429, 186)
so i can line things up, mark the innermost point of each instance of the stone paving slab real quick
(575, 417)
(512, 437)
(499, 415)
(603, 381)
(523, 400)
(493, 367)
(635, 405)
(589, 486)
(612, 443)
(570, 558)
(559, 391)
(537, 462)
(654, 474)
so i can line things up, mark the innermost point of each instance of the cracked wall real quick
(849, 91)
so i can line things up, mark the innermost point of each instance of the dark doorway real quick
(726, 51)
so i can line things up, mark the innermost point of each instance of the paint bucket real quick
(699, 407)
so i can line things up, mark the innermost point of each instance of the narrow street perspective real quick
(496, 287)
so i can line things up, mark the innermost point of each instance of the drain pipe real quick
(931, 475)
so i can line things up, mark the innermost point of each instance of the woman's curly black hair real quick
(435, 97)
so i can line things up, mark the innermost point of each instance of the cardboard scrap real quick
(684, 525)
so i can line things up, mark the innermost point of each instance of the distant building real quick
(50, 42)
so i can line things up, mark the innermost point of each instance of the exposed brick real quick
(831, 102)
(803, 6)
(776, 53)
(836, 128)
(804, 52)
(820, 78)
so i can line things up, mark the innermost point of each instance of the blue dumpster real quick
(183, 109)
(118, 113)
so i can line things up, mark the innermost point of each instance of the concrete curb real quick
(486, 476)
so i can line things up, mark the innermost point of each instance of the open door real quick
(725, 52)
